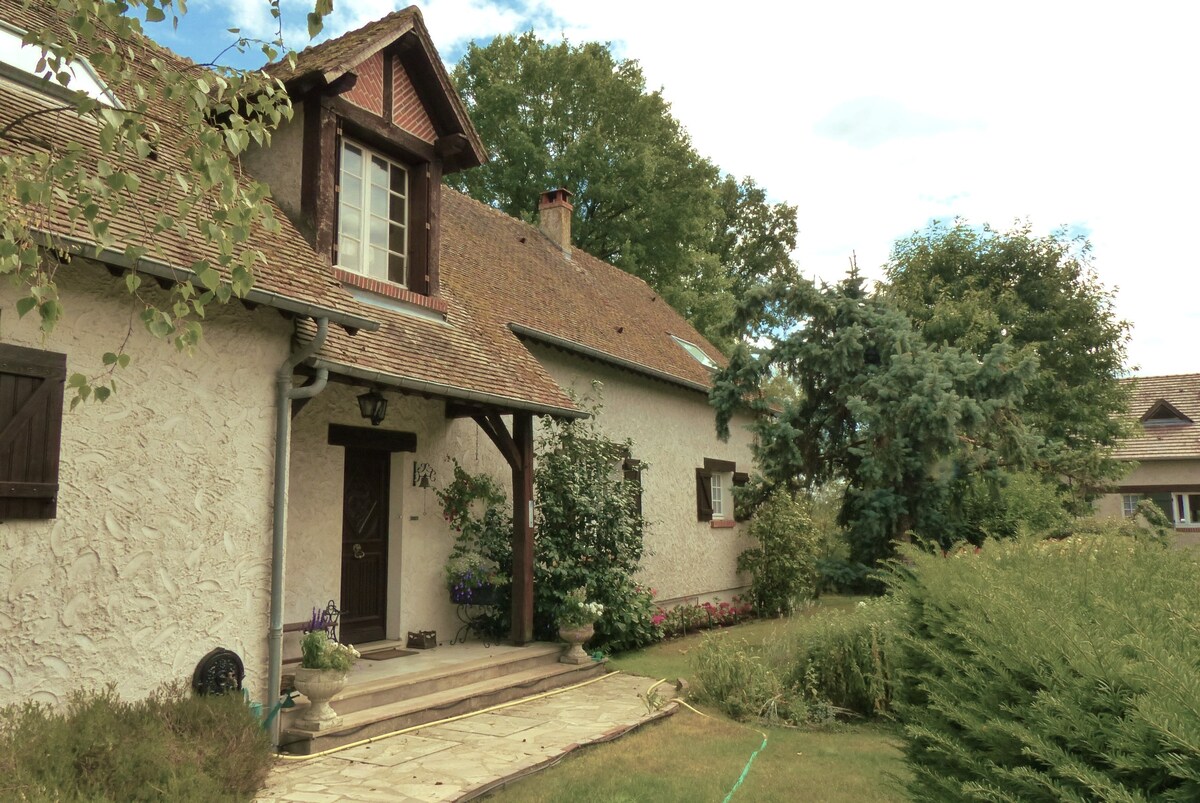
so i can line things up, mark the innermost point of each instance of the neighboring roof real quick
(324, 63)
(513, 279)
(293, 272)
(1167, 441)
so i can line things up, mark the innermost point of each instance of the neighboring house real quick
(1164, 455)
(161, 524)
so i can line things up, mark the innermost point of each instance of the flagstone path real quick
(465, 758)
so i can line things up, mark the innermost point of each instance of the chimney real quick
(554, 217)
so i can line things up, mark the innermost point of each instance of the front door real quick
(364, 544)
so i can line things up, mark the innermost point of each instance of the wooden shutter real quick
(632, 470)
(740, 480)
(704, 511)
(31, 406)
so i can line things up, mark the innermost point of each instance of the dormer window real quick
(25, 58)
(373, 208)
(1163, 412)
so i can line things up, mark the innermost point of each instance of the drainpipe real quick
(285, 392)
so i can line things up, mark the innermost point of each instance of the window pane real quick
(379, 200)
(379, 263)
(379, 172)
(398, 209)
(350, 221)
(397, 270)
(351, 191)
(1194, 508)
(399, 180)
(379, 232)
(348, 255)
(351, 160)
(397, 240)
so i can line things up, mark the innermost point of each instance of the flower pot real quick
(475, 595)
(319, 686)
(575, 638)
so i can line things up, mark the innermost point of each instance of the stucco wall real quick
(161, 547)
(672, 430)
(279, 166)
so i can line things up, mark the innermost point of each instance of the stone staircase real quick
(386, 704)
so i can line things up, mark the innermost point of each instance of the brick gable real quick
(368, 89)
(408, 111)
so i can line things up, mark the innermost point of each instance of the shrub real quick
(683, 619)
(783, 564)
(738, 679)
(1051, 670)
(170, 746)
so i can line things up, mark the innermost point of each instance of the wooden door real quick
(364, 545)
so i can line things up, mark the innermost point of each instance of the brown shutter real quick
(31, 405)
(633, 473)
(704, 510)
(418, 228)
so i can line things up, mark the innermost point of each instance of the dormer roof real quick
(322, 65)
(1166, 407)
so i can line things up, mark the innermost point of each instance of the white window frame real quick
(717, 496)
(83, 77)
(1182, 508)
(1129, 503)
(362, 203)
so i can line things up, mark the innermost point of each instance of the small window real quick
(31, 406)
(1129, 503)
(718, 497)
(25, 58)
(697, 353)
(1187, 508)
(373, 196)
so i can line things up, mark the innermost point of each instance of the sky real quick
(875, 118)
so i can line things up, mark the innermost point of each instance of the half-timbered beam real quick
(522, 481)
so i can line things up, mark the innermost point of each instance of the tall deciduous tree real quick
(645, 200)
(161, 103)
(902, 421)
(974, 287)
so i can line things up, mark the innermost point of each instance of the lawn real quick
(690, 757)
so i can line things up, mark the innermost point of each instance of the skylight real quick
(23, 57)
(696, 352)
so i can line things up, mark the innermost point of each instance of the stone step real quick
(361, 695)
(437, 705)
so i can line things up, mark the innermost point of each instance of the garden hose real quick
(511, 703)
(754, 755)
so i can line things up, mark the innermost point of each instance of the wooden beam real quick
(493, 425)
(383, 440)
(378, 132)
(522, 546)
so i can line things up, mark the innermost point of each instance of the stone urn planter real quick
(319, 686)
(575, 638)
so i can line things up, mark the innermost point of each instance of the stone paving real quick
(467, 757)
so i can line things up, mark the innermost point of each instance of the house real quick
(1164, 455)
(218, 497)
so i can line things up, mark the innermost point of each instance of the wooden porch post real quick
(522, 543)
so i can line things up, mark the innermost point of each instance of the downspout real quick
(285, 392)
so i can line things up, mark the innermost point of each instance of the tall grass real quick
(169, 746)
(814, 668)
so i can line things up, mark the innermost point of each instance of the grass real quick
(688, 757)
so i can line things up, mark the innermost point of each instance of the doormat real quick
(391, 652)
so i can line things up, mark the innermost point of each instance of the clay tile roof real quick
(511, 276)
(293, 271)
(334, 57)
(1163, 441)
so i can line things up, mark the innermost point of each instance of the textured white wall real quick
(279, 166)
(161, 547)
(673, 430)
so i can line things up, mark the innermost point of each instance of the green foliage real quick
(903, 423)
(578, 611)
(1051, 670)
(589, 533)
(573, 116)
(1012, 504)
(784, 564)
(974, 287)
(168, 105)
(318, 651)
(170, 746)
(819, 667)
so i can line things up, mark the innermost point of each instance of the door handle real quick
(358, 552)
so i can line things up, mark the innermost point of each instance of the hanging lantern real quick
(373, 405)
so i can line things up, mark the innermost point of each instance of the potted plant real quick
(322, 674)
(576, 619)
(472, 580)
